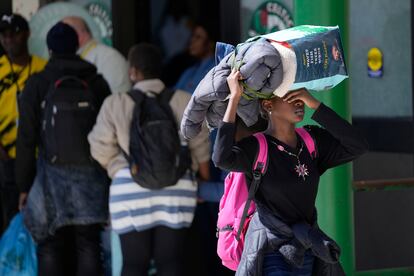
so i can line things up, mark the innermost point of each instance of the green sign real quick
(102, 15)
(270, 16)
(49, 15)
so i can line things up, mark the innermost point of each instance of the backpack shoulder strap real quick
(308, 139)
(261, 160)
(136, 95)
(259, 168)
(166, 95)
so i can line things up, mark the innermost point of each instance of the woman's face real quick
(281, 110)
(200, 43)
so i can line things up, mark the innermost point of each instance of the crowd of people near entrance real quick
(73, 133)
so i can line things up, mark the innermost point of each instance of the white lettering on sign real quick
(275, 21)
(280, 11)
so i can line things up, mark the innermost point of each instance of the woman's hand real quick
(233, 80)
(302, 95)
(236, 90)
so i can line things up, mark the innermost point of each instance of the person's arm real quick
(103, 139)
(227, 154)
(184, 79)
(204, 170)
(339, 142)
(200, 152)
(236, 91)
(28, 134)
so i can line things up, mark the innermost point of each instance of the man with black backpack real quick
(153, 193)
(68, 198)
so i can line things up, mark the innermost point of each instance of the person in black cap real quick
(64, 198)
(16, 66)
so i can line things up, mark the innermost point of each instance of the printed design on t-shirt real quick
(7, 81)
(9, 127)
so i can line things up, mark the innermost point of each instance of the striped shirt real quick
(134, 208)
(12, 82)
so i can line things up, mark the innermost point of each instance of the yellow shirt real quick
(9, 88)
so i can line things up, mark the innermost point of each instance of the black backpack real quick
(157, 158)
(69, 113)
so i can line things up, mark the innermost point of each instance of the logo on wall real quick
(48, 15)
(270, 16)
(102, 16)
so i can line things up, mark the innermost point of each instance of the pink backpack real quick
(237, 207)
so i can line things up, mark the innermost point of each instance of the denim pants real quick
(275, 265)
(65, 195)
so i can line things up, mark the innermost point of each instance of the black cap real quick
(62, 39)
(13, 22)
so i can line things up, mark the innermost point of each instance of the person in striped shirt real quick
(152, 224)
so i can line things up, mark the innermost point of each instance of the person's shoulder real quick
(36, 86)
(249, 142)
(250, 145)
(103, 47)
(311, 129)
(188, 72)
(3, 59)
(249, 139)
(109, 51)
(119, 99)
(4, 65)
(39, 62)
(40, 76)
(179, 100)
(316, 132)
(181, 94)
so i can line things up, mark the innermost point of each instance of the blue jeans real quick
(275, 265)
(63, 196)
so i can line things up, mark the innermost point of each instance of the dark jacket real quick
(267, 233)
(31, 113)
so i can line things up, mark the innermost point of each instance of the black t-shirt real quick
(286, 194)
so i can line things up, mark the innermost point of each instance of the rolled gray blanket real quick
(260, 65)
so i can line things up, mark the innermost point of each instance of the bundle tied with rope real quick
(271, 65)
